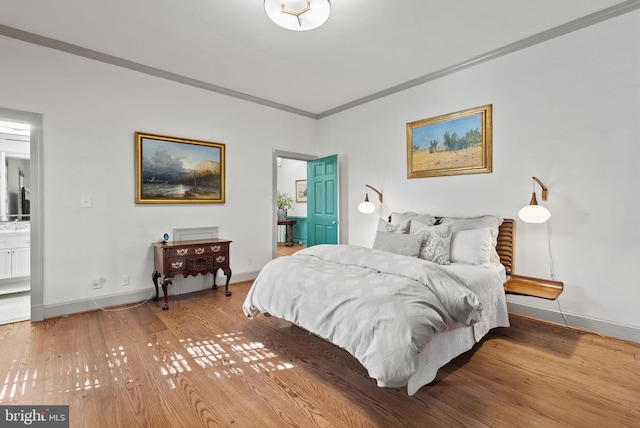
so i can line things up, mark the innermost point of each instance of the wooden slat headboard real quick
(507, 244)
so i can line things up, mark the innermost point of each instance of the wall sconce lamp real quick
(367, 207)
(534, 213)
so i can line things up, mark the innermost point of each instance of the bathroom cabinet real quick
(15, 255)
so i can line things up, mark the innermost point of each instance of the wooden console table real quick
(289, 223)
(194, 257)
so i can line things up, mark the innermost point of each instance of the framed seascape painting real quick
(451, 144)
(173, 170)
(301, 190)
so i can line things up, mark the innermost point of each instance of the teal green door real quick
(322, 201)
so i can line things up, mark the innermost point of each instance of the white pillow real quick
(468, 223)
(398, 243)
(436, 241)
(472, 246)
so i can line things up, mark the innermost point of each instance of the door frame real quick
(37, 198)
(274, 190)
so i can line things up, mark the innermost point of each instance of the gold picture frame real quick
(451, 144)
(171, 170)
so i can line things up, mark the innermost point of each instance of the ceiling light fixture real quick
(298, 15)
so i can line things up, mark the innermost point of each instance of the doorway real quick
(316, 182)
(294, 165)
(20, 215)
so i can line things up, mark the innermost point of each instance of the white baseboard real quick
(85, 305)
(607, 328)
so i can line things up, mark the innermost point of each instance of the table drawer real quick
(219, 248)
(199, 264)
(176, 264)
(221, 259)
(190, 251)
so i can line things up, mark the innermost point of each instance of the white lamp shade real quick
(366, 207)
(534, 214)
(318, 13)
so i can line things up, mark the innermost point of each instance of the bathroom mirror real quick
(15, 198)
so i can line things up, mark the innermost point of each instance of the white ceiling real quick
(367, 49)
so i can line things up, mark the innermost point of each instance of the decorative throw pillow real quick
(398, 243)
(472, 246)
(436, 241)
(385, 226)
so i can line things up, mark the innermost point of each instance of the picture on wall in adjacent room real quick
(452, 144)
(301, 190)
(173, 170)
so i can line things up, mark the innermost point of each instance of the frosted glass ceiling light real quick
(367, 207)
(534, 213)
(298, 15)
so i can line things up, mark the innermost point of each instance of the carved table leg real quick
(155, 277)
(165, 284)
(227, 272)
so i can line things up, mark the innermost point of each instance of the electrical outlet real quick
(96, 283)
(124, 280)
(250, 261)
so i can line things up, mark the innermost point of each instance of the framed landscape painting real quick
(173, 170)
(451, 144)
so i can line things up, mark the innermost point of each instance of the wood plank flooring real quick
(203, 364)
(285, 250)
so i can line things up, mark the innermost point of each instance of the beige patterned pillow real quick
(436, 241)
(398, 243)
(385, 226)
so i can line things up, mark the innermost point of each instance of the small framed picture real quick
(301, 190)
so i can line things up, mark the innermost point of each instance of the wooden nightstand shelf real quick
(536, 287)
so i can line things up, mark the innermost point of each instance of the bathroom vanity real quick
(15, 261)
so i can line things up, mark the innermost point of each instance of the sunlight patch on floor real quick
(225, 354)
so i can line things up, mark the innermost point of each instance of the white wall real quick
(90, 113)
(566, 111)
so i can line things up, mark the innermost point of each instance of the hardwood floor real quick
(285, 250)
(202, 363)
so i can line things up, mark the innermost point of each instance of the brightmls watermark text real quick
(34, 416)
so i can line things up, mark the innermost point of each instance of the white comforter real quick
(381, 307)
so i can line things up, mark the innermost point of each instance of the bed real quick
(428, 290)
